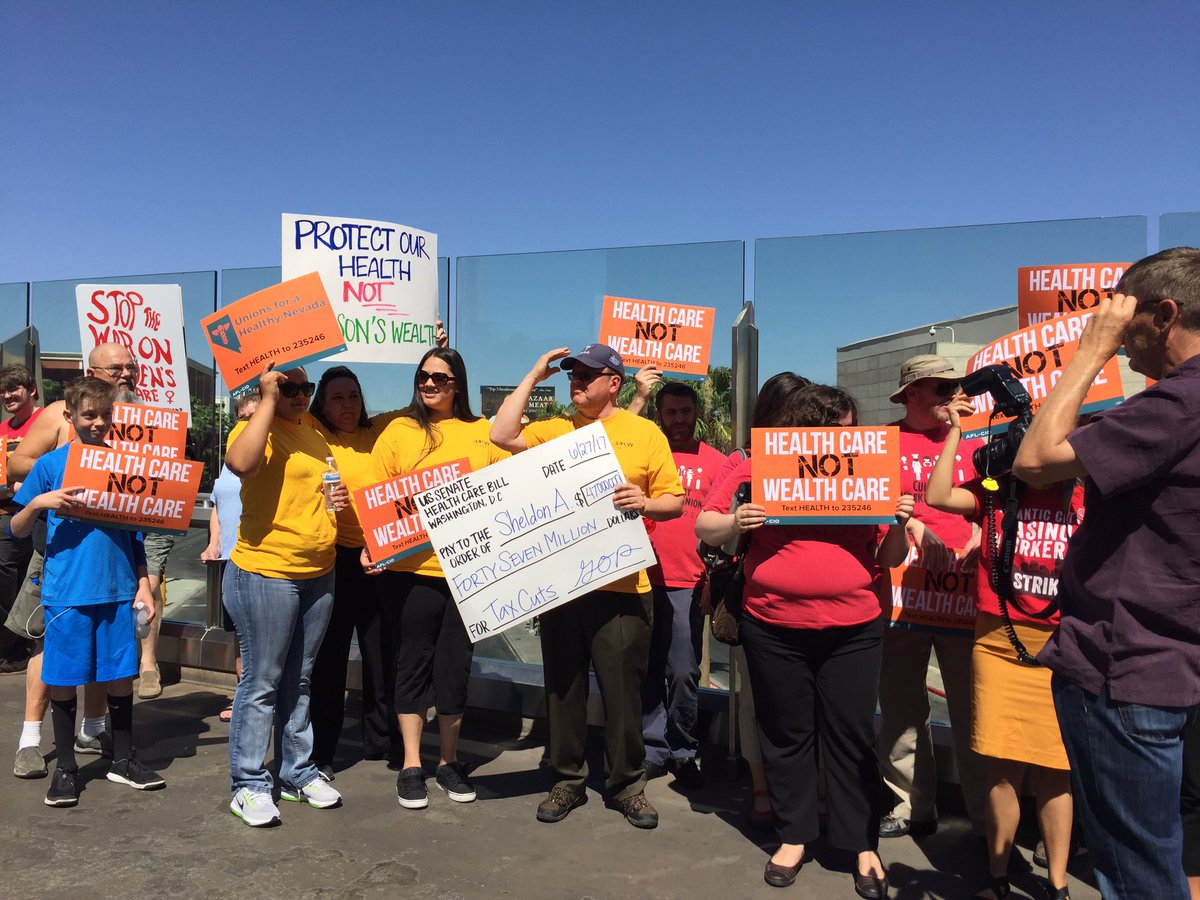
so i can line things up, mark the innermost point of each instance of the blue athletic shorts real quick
(89, 643)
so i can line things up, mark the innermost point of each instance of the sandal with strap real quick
(999, 887)
(1053, 893)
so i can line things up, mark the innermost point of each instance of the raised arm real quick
(506, 429)
(646, 378)
(1045, 455)
(941, 493)
(245, 454)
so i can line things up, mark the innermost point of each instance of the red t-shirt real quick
(806, 576)
(14, 436)
(674, 541)
(1046, 519)
(919, 450)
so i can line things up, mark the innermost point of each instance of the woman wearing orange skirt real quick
(1015, 725)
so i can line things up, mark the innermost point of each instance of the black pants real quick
(433, 651)
(1189, 799)
(611, 631)
(14, 561)
(810, 686)
(356, 607)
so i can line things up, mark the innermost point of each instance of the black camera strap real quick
(1002, 543)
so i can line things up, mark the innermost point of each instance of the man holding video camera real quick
(1126, 657)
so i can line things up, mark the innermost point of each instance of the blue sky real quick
(157, 137)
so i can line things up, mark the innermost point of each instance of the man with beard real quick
(669, 697)
(927, 384)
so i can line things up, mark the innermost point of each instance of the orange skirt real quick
(1014, 710)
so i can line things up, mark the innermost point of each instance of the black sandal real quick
(998, 885)
(1053, 893)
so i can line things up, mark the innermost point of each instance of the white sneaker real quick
(255, 809)
(317, 793)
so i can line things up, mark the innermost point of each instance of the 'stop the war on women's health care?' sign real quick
(146, 319)
(381, 278)
(534, 531)
(290, 324)
(674, 337)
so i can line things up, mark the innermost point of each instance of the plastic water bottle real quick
(330, 479)
(142, 628)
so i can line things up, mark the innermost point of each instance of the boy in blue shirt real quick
(94, 576)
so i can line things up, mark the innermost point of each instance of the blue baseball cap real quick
(596, 356)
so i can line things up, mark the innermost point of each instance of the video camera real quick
(1011, 399)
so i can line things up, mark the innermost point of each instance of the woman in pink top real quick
(812, 632)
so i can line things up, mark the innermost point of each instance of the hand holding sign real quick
(64, 499)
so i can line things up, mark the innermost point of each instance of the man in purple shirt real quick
(1126, 658)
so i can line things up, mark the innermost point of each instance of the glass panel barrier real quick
(54, 314)
(511, 309)
(1179, 230)
(813, 294)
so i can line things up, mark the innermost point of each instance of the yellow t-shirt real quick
(403, 447)
(284, 530)
(645, 458)
(352, 452)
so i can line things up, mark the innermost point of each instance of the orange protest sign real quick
(133, 491)
(674, 337)
(1044, 292)
(290, 323)
(1037, 355)
(845, 476)
(153, 430)
(391, 521)
(930, 600)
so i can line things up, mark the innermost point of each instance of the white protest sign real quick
(147, 319)
(381, 279)
(534, 531)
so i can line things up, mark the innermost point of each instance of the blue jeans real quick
(1126, 768)
(280, 624)
(669, 694)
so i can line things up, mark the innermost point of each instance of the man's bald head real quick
(113, 363)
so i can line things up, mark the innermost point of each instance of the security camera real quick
(933, 331)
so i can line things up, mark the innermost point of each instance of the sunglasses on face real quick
(292, 390)
(587, 376)
(439, 379)
(945, 389)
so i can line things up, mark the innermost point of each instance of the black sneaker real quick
(452, 779)
(63, 791)
(410, 788)
(133, 773)
(100, 745)
(688, 774)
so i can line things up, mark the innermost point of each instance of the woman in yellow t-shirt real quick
(433, 650)
(339, 413)
(279, 589)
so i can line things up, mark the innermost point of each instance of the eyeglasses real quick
(115, 371)
(587, 376)
(292, 390)
(439, 379)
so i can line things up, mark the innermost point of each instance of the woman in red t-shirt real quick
(812, 633)
(1015, 725)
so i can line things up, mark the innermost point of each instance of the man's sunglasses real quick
(292, 390)
(439, 379)
(587, 376)
(945, 389)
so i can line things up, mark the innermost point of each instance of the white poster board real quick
(534, 531)
(148, 320)
(381, 279)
